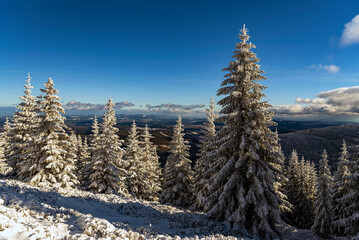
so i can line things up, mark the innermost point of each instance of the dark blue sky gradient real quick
(153, 52)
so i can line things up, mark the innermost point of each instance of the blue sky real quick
(159, 52)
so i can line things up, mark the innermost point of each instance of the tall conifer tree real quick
(242, 192)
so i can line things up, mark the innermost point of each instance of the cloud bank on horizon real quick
(166, 108)
(80, 106)
(340, 102)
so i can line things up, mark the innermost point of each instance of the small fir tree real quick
(281, 180)
(204, 162)
(304, 209)
(312, 182)
(339, 188)
(87, 168)
(73, 147)
(300, 191)
(54, 164)
(292, 186)
(151, 160)
(323, 201)
(6, 135)
(21, 134)
(106, 173)
(95, 131)
(82, 153)
(350, 199)
(178, 176)
(137, 170)
(4, 167)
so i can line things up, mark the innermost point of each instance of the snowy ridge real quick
(56, 213)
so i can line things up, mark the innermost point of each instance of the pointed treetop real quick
(28, 77)
(244, 30)
(325, 155)
(244, 34)
(28, 85)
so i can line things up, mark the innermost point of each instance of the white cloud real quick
(340, 101)
(329, 68)
(351, 32)
(308, 100)
(175, 108)
(73, 105)
(166, 108)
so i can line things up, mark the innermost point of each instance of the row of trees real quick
(36, 148)
(240, 176)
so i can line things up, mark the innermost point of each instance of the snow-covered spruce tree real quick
(105, 172)
(324, 215)
(21, 133)
(293, 172)
(137, 170)
(54, 163)
(4, 167)
(281, 180)
(6, 135)
(150, 158)
(73, 139)
(73, 146)
(82, 153)
(95, 131)
(242, 192)
(85, 171)
(299, 190)
(339, 189)
(178, 176)
(312, 181)
(303, 208)
(350, 200)
(4, 146)
(203, 164)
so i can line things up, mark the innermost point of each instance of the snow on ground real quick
(28, 212)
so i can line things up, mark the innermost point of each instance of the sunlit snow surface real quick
(42, 213)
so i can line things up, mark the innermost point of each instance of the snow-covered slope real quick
(28, 212)
(38, 213)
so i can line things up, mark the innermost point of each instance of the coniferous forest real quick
(241, 177)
